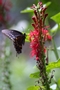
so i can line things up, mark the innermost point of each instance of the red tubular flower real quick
(40, 34)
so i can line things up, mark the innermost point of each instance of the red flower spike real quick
(49, 37)
(45, 16)
(33, 7)
(34, 19)
(33, 25)
(35, 13)
(40, 34)
(41, 5)
(44, 9)
(0, 2)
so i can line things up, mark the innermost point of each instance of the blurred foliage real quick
(33, 88)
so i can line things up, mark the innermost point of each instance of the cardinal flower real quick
(39, 35)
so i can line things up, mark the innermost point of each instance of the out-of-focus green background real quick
(21, 66)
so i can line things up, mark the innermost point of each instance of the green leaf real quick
(35, 75)
(59, 25)
(56, 18)
(27, 10)
(47, 4)
(33, 88)
(53, 65)
(58, 82)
